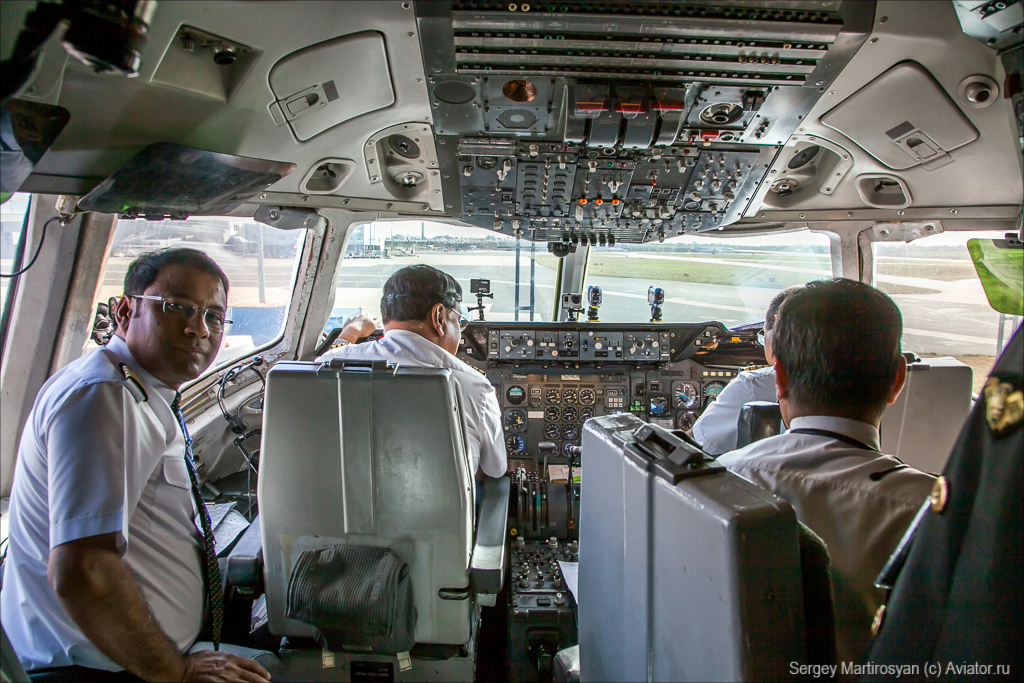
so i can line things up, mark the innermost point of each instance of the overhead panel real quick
(597, 122)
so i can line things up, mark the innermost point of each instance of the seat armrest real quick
(487, 567)
(245, 561)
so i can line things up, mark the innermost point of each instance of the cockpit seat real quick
(758, 420)
(367, 517)
(922, 426)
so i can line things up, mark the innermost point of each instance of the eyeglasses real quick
(463, 320)
(214, 321)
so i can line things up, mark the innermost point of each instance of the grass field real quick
(930, 269)
(731, 269)
(674, 268)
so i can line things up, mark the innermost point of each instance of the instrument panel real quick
(553, 377)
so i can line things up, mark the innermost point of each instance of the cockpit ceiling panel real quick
(599, 122)
(766, 43)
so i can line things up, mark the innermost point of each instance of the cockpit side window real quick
(945, 311)
(261, 263)
(12, 219)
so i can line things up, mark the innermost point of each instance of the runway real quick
(954, 320)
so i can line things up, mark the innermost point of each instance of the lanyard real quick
(834, 435)
(875, 476)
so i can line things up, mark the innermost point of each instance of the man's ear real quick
(123, 313)
(437, 319)
(781, 380)
(901, 379)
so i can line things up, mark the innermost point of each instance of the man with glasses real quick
(105, 577)
(716, 428)
(423, 327)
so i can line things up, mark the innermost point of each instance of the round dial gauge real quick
(687, 420)
(551, 431)
(552, 414)
(569, 414)
(570, 431)
(553, 396)
(586, 412)
(515, 443)
(711, 392)
(570, 396)
(515, 395)
(567, 448)
(515, 420)
(587, 397)
(684, 395)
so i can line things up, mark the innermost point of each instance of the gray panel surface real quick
(307, 83)
(337, 466)
(903, 99)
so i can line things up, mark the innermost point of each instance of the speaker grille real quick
(517, 119)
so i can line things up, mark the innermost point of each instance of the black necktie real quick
(211, 570)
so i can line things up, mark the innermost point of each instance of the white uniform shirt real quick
(94, 459)
(715, 430)
(481, 416)
(828, 483)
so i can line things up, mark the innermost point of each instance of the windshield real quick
(945, 310)
(376, 250)
(731, 280)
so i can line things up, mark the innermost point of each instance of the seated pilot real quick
(837, 365)
(107, 575)
(423, 327)
(715, 430)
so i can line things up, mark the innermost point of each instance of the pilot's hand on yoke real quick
(358, 326)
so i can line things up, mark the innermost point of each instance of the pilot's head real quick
(426, 301)
(770, 317)
(172, 314)
(837, 351)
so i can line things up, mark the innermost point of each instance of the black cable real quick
(235, 421)
(39, 248)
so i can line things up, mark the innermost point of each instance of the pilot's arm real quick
(358, 326)
(484, 421)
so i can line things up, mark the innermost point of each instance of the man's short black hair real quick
(839, 344)
(411, 292)
(773, 306)
(145, 269)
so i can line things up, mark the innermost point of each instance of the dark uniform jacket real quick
(958, 605)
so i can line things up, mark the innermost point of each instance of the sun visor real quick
(319, 87)
(166, 180)
(1000, 266)
(27, 129)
